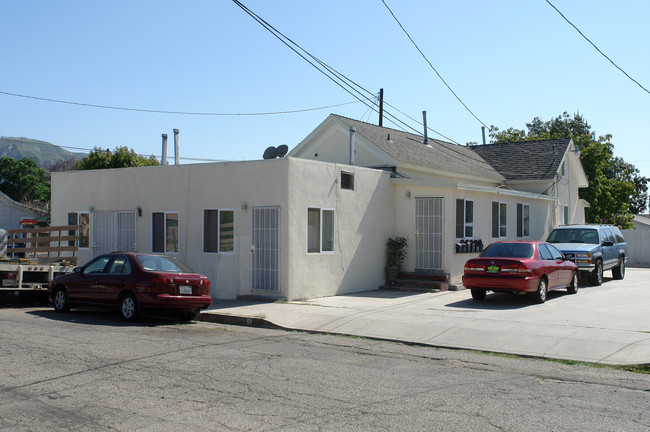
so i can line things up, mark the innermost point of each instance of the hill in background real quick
(43, 152)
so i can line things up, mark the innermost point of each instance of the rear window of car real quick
(618, 235)
(508, 250)
(161, 263)
(574, 235)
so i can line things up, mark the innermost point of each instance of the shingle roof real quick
(525, 160)
(439, 155)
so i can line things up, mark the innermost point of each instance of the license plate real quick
(8, 282)
(185, 289)
(492, 269)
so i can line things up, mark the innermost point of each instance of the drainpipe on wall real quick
(352, 131)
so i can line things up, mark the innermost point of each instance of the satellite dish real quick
(270, 153)
(283, 150)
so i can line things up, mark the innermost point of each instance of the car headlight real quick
(583, 255)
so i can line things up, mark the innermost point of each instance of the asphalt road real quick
(88, 371)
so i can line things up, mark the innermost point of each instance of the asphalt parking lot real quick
(608, 324)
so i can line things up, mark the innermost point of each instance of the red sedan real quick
(520, 266)
(132, 282)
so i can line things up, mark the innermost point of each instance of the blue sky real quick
(509, 61)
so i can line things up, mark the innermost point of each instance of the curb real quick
(236, 320)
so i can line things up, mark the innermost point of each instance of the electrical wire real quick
(173, 112)
(46, 144)
(597, 49)
(332, 74)
(431, 65)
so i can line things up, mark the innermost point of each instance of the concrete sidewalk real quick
(608, 324)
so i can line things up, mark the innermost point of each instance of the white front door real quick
(265, 248)
(429, 234)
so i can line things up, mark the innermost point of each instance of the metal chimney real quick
(163, 159)
(424, 118)
(483, 132)
(352, 131)
(177, 155)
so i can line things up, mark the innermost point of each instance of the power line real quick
(597, 49)
(46, 144)
(431, 65)
(345, 83)
(172, 112)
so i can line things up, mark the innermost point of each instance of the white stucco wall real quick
(362, 218)
(363, 222)
(541, 211)
(638, 242)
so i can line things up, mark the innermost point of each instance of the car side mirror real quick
(78, 270)
(608, 243)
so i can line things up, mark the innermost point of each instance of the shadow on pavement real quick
(503, 301)
(105, 317)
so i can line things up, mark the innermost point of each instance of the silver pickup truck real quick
(594, 248)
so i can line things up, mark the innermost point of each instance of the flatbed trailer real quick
(35, 256)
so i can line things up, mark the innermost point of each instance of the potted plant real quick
(395, 254)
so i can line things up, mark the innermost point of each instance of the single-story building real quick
(315, 223)
(638, 242)
(12, 212)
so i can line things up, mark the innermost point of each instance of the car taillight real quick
(160, 281)
(517, 269)
(471, 267)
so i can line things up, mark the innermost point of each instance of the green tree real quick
(121, 157)
(23, 180)
(616, 191)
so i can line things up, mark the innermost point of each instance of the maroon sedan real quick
(133, 282)
(520, 266)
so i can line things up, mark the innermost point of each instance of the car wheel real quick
(596, 277)
(129, 308)
(478, 294)
(189, 315)
(61, 300)
(619, 271)
(573, 287)
(542, 291)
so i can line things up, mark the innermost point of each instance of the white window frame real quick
(178, 239)
(219, 212)
(465, 223)
(524, 234)
(320, 231)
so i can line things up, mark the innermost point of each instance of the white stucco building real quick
(311, 224)
(12, 212)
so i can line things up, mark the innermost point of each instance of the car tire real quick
(189, 315)
(596, 278)
(542, 291)
(573, 287)
(60, 300)
(129, 308)
(619, 271)
(478, 294)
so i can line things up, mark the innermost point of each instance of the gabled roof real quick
(525, 160)
(4, 198)
(438, 155)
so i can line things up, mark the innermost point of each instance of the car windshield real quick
(162, 263)
(508, 250)
(574, 235)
